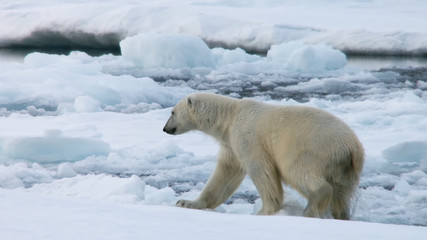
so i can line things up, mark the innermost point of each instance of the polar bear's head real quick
(181, 119)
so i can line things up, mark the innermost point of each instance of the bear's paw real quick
(191, 204)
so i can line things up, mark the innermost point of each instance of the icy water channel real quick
(389, 73)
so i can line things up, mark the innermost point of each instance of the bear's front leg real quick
(267, 181)
(223, 182)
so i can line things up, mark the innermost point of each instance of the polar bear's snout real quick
(170, 126)
(169, 130)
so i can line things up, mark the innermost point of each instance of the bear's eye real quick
(173, 112)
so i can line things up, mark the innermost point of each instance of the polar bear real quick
(306, 148)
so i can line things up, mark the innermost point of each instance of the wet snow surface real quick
(84, 132)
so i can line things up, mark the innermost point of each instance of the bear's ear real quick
(190, 102)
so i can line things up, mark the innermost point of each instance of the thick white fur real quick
(306, 148)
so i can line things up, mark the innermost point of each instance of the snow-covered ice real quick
(82, 152)
(374, 26)
(70, 218)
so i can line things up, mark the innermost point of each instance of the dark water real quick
(386, 62)
(362, 61)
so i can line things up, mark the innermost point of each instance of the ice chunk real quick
(307, 58)
(328, 85)
(414, 176)
(406, 152)
(423, 164)
(65, 170)
(53, 148)
(159, 196)
(406, 156)
(402, 187)
(131, 186)
(238, 55)
(101, 186)
(316, 58)
(23, 175)
(86, 104)
(282, 52)
(167, 51)
(418, 196)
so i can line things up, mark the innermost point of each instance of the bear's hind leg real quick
(341, 200)
(227, 176)
(318, 201)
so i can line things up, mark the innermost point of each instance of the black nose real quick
(169, 131)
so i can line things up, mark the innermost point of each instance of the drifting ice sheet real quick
(53, 148)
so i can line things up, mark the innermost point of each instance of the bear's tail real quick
(345, 194)
(355, 171)
(357, 160)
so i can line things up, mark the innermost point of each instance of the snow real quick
(50, 218)
(375, 26)
(82, 152)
